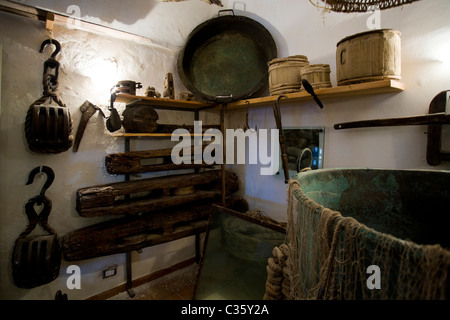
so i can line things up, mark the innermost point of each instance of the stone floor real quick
(178, 285)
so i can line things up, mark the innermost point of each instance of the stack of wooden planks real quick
(152, 211)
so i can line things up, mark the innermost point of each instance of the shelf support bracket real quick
(49, 21)
(128, 267)
(434, 139)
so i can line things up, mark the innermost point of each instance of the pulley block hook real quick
(54, 42)
(50, 177)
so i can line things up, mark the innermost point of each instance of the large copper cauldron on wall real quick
(227, 55)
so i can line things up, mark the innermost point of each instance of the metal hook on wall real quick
(51, 68)
(55, 43)
(50, 178)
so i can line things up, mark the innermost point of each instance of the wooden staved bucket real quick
(318, 75)
(284, 74)
(369, 56)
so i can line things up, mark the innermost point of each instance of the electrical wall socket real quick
(110, 271)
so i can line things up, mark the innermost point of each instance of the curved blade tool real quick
(88, 110)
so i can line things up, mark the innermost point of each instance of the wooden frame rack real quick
(377, 87)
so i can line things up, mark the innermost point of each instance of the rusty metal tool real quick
(428, 119)
(284, 157)
(113, 122)
(88, 110)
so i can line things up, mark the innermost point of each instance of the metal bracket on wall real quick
(128, 268)
(49, 20)
(437, 117)
(434, 140)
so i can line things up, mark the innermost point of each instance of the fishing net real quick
(328, 255)
(362, 5)
(364, 234)
(250, 241)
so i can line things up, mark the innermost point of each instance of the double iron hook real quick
(50, 80)
(33, 217)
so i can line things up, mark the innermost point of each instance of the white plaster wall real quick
(165, 23)
(90, 65)
(305, 29)
(298, 28)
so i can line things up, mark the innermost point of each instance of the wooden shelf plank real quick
(161, 102)
(375, 87)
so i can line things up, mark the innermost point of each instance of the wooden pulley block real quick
(36, 259)
(140, 118)
(126, 86)
(48, 129)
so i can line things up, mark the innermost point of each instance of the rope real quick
(35, 219)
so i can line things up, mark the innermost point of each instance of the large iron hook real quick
(51, 68)
(54, 42)
(50, 177)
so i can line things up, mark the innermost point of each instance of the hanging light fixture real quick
(362, 5)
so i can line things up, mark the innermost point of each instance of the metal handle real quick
(342, 56)
(223, 99)
(224, 10)
(300, 158)
(113, 99)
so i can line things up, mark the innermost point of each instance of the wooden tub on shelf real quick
(369, 56)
